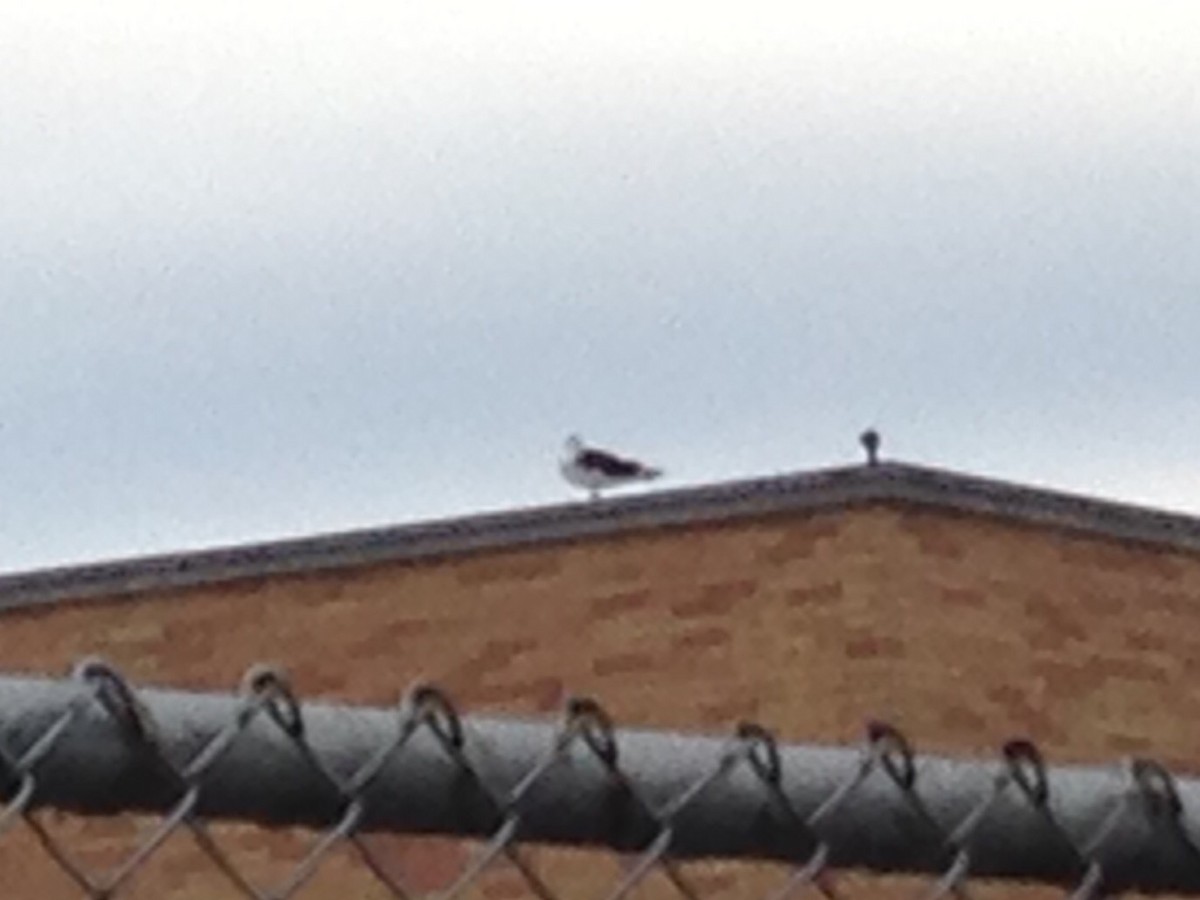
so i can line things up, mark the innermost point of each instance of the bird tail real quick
(649, 473)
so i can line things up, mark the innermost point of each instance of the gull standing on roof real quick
(593, 469)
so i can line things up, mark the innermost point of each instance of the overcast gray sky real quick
(273, 269)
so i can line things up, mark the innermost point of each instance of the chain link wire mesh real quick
(786, 850)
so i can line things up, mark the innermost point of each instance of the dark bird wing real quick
(609, 464)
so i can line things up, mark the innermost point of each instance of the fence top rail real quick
(95, 744)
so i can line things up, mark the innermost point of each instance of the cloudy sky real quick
(273, 269)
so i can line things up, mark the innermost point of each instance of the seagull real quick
(593, 469)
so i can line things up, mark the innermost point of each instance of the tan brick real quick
(611, 605)
(620, 663)
(715, 599)
(700, 638)
(873, 646)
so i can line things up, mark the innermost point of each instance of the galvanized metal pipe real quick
(96, 766)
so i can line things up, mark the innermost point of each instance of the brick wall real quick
(962, 630)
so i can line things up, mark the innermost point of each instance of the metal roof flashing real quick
(804, 492)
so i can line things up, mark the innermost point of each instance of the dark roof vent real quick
(870, 441)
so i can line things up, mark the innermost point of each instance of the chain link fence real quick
(611, 813)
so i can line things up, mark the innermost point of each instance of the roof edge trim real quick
(812, 491)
